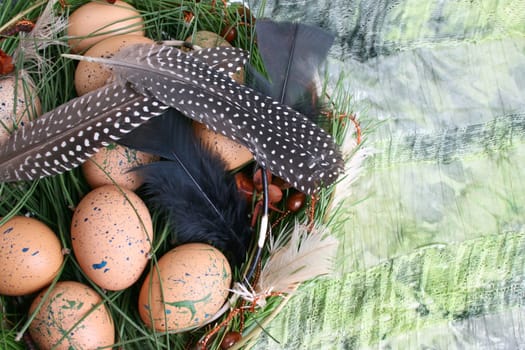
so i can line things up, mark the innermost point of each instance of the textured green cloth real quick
(433, 232)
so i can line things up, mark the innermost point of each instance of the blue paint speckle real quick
(106, 270)
(35, 253)
(25, 250)
(168, 312)
(9, 230)
(99, 266)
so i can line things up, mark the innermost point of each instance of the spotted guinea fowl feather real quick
(68, 135)
(227, 60)
(280, 138)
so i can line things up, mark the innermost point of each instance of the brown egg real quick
(205, 39)
(95, 21)
(233, 153)
(195, 278)
(71, 317)
(111, 233)
(112, 164)
(90, 76)
(20, 94)
(30, 256)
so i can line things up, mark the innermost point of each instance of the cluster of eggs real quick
(111, 228)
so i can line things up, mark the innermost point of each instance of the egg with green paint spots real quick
(111, 235)
(30, 256)
(72, 316)
(185, 289)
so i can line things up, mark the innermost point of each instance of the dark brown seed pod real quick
(295, 201)
(230, 339)
(229, 33)
(245, 15)
(274, 194)
(244, 185)
(257, 179)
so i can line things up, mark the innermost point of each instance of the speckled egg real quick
(95, 21)
(195, 279)
(112, 164)
(30, 256)
(204, 38)
(55, 325)
(17, 94)
(90, 76)
(111, 234)
(234, 154)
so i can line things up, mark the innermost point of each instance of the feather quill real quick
(294, 259)
(292, 54)
(192, 187)
(65, 137)
(280, 138)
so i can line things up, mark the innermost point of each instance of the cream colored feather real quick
(306, 255)
(355, 155)
(296, 258)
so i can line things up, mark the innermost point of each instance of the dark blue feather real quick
(192, 187)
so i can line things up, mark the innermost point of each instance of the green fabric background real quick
(432, 233)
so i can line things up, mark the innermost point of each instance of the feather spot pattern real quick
(68, 135)
(227, 60)
(281, 139)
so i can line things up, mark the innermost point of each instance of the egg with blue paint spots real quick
(30, 256)
(113, 164)
(185, 289)
(111, 235)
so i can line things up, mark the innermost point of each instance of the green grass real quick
(52, 200)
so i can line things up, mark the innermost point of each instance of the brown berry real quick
(257, 179)
(274, 194)
(295, 201)
(230, 339)
(244, 185)
(245, 15)
(229, 33)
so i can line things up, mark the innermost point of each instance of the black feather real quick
(192, 186)
(292, 54)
